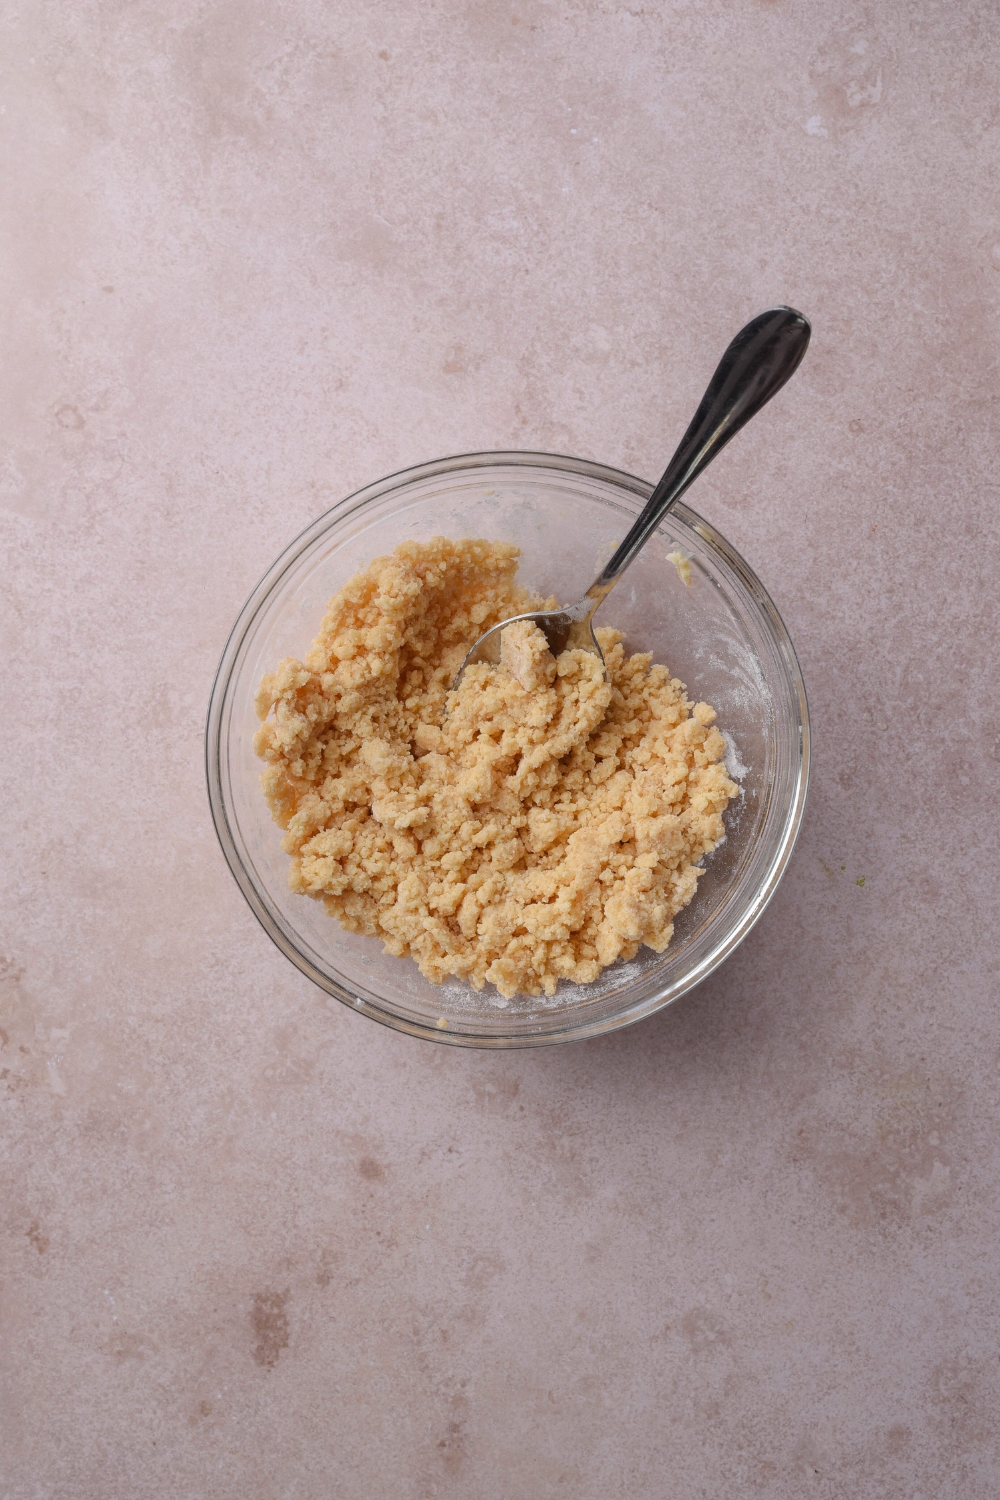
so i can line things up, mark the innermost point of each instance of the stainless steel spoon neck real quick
(595, 597)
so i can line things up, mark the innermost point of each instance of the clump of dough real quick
(549, 823)
(525, 655)
(683, 566)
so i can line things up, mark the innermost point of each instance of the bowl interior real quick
(721, 635)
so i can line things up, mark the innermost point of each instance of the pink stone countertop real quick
(256, 1247)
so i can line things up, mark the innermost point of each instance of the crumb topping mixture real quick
(548, 823)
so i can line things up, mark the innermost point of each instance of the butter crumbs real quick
(546, 825)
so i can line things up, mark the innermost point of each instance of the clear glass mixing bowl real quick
(721, 635)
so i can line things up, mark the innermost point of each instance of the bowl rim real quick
(579, 1030)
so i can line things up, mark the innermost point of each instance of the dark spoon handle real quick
(762, 356)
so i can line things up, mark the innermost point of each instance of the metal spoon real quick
(762, 356)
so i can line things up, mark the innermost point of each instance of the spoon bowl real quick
(564, 629)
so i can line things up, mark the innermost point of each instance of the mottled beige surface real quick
(255, 1247)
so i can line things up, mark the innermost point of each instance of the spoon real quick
(761, 357)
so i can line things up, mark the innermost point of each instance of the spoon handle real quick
(762, 356)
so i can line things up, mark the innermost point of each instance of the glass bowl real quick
(721, 635)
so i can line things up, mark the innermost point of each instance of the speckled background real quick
(258, 1248)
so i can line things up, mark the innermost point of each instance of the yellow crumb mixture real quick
(548, 824)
